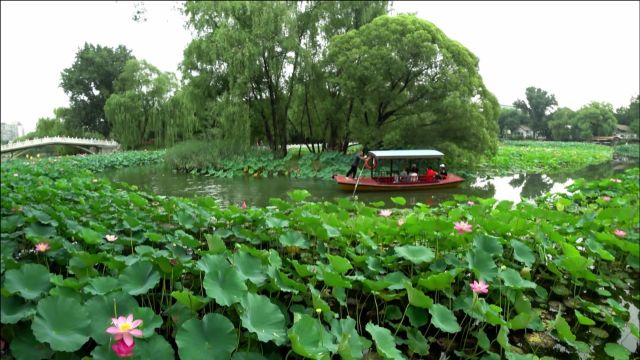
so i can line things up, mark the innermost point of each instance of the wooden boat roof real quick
(406, 154)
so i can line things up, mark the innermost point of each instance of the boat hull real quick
(387, 184)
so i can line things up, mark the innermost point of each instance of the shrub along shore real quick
(470, 277)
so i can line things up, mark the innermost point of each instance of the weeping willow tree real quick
(147, 109)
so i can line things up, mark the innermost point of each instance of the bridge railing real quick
(59, 140)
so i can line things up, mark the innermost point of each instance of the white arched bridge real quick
(91, 146)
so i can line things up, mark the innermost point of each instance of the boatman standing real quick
(356, 161)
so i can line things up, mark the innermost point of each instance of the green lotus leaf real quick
(298, 194)
(212, 262)
(274, 222)
(617, 351)
(399, 200)
(336, 280)
(417, 342)
(156, 348)
(188, 299)
(584, 320)
(523, 253)
(417, 298)
(62, 322)
(139, 278)
(263, 318)
(224, 284)
(482, 264)
(29, 281)
(444, 319)
(150, 320)
(294, 238)
(385, 343)
(339, 264)
(101, 285)
(310, 339)
(242, 355)
(104, 352)
(417, 317)
(213, 337)
(90, 236)
(487, 243)
(332, 232)
(563, 329)
(394, 280)
(249, 267)
(318, 302)
(25, 346)
(513, 279)
(38, 231)
(439, 281)
(483, 339)
(520, 321)
(103, 308)
(14, 309)
(350, 344)
(415, 254)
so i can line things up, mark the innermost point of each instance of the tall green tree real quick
(140, 110)
(412, 86)
(320, 112)
(510, 119)
(564, 126)
(598, 117)
(89, 82)
(538, 105)
(255, 47)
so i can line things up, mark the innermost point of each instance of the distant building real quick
(624, 132)
(9, 131)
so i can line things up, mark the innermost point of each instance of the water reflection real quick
(258, 191)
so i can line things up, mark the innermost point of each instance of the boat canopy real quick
(406, 154)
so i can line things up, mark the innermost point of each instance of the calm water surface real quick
(257, 191)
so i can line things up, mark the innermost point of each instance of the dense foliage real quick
(412, 87)
(301, 279)
(89, 82)
(541, 157)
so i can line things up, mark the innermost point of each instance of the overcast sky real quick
(578, 51)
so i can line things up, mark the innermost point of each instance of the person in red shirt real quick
(431, 175)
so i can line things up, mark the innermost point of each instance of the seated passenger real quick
(414, 169)
(404, 174)
(443, 171)
(431, 175)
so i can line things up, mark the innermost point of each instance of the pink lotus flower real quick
(42, 247)
(470, 203)
(463, 227)
(123, 350)
(401, 222)
(479, 287)
(124, 328)
(620, 233)
(111, 238)
(606, 198)
(616, 180)
(385, 213)
(244, 205)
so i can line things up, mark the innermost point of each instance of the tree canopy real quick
(412, 86)
(89, 82)
(538, 105)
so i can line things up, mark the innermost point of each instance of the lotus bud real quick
(525, 272)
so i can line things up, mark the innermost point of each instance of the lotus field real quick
(92, 269)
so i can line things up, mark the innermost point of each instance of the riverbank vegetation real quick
(541, 157)
(471, 277)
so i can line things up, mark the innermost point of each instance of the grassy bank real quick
(312, 280)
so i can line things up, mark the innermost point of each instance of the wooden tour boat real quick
(383, 176)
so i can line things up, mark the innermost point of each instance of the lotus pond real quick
(472, 278)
